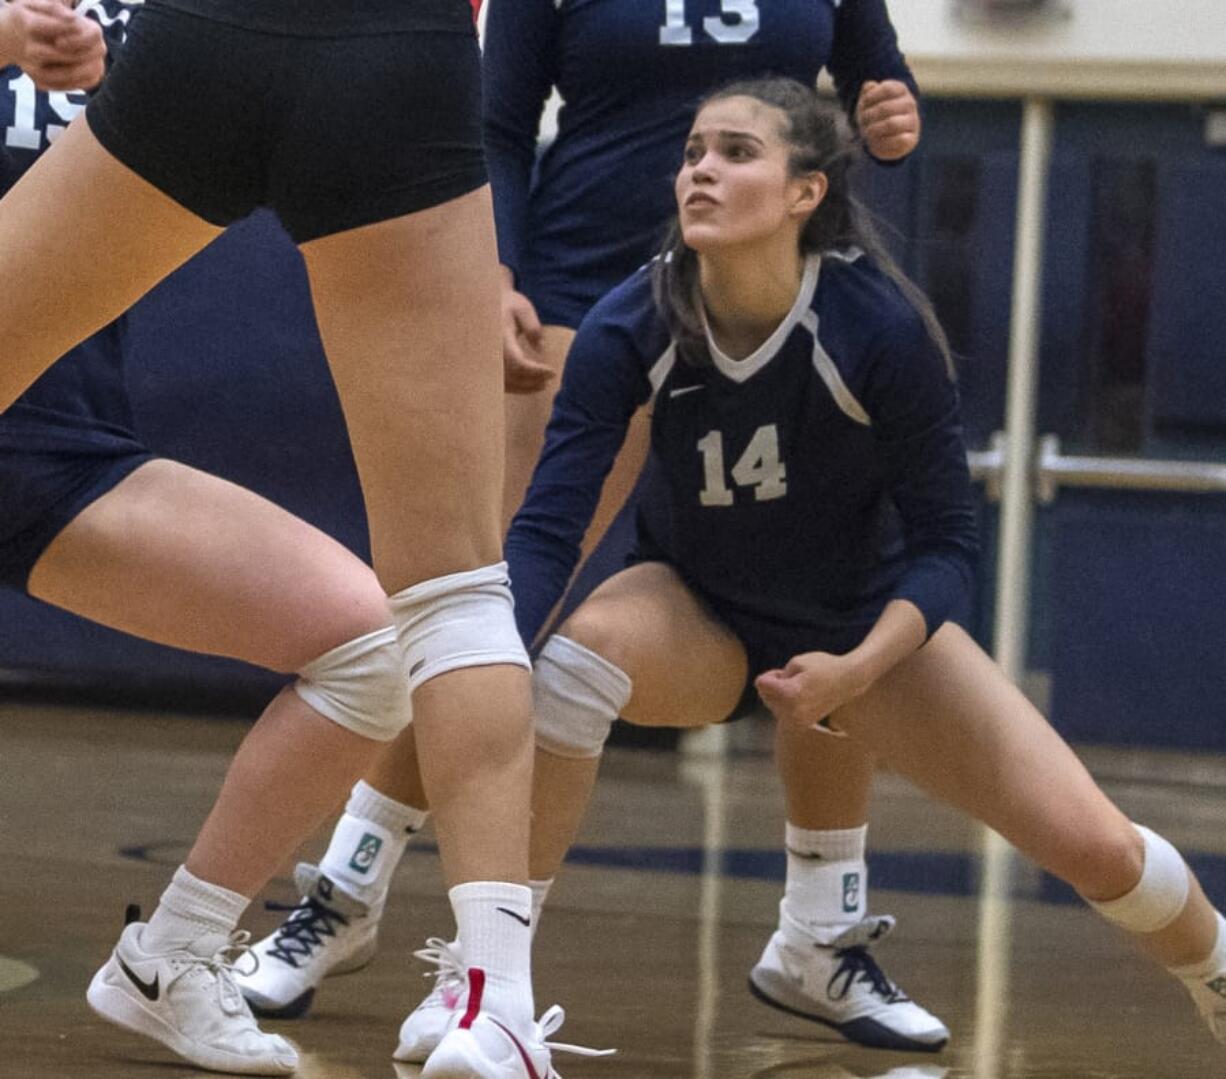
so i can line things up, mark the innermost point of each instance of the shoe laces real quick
(310, 921)
(448, 974)
(857, 965)
(222, 966)
(549, 1023)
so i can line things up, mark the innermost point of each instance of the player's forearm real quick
(899, 631)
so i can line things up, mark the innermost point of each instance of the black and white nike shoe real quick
(187, 1000)
(328, 932)
(840, 985)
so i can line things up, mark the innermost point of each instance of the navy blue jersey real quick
(333, 18)
(84, 392)
(630, 73)
(807, 484)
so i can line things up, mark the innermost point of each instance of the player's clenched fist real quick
(58, 48)
(888, 118)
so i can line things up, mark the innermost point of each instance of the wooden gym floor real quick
(648, 936)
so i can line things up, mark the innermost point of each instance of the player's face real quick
(734, 187)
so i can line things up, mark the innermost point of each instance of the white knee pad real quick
(576, 695)
(1160, 895)
(461, 620)
(361, 686)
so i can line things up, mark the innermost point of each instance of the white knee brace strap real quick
(1160, 895)
(461, 620)
(576, 695)
(361, 686)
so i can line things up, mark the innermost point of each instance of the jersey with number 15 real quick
(807, 484)
(630, 73)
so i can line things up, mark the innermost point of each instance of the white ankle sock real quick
(191, 908)
(827, 883)
(369, 841)
(494, 929)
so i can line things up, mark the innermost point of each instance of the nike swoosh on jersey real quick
(683, 389)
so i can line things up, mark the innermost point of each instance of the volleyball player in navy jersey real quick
(569, 229)
(809, 531)
(212, 108)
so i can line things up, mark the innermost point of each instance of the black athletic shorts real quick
(331, 130)
(768, 642)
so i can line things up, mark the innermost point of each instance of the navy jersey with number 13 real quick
(630, 73)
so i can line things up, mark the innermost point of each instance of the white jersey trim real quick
(829, 374)
(662, 368)
(743, 370)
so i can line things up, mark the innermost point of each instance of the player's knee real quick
(576, 696)
(360, 685)
(460, 620)
(595, 626)
(1161, 890)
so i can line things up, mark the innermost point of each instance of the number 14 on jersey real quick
(758, 467)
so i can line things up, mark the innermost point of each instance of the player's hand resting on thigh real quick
(810, 688)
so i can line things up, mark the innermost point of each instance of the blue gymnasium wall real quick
(1136, 606)
(1128, 591)
(1129, 610)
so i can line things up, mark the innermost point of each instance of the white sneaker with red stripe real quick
(478, 1045)
(426, 1024)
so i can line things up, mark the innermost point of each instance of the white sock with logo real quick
(494, 930)
(368, 842)
(827, 883)
(191, 908)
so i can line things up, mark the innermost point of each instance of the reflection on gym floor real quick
(648, 936)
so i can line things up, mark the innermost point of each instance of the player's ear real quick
(808, 191)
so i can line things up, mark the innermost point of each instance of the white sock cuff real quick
(516, 896)
(828, 844)
(372, 805)
(190, 897)
(1159, 896)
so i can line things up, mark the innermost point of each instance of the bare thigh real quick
(186, 559)
(82, 238)
(687, 668)
(408, 311)
(949, 720)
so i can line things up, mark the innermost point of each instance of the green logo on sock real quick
(1218, 985)
(851, 893)
(368, 850)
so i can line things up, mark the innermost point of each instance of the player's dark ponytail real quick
(821, 142)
